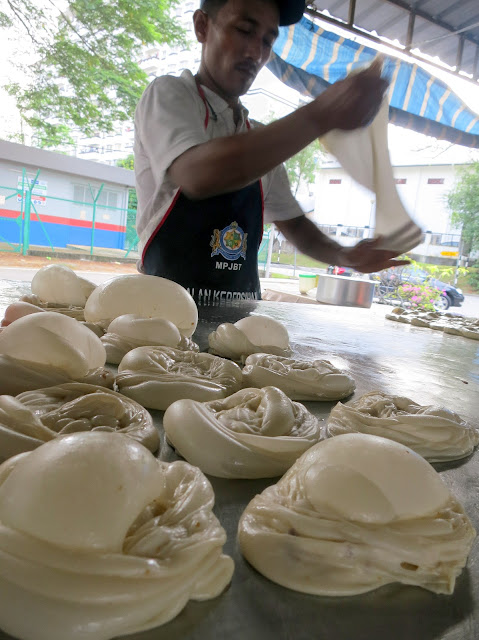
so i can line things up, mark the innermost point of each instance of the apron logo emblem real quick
(230, 242)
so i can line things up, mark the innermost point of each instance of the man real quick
(206, 175)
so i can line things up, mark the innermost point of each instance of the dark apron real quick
(210, 246)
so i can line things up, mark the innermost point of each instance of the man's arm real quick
(227, 164)
(363, 257)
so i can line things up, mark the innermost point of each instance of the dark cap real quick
(290, 11)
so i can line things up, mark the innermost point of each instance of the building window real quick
(435, 180)
(335, 181)
(82, 195)
(400, 180)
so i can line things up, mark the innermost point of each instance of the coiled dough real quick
(298, 379)
(254, 433)
(157, 376)
(354, 513)
(110, 542)
(38, 416)
(17, 376)
(434, 432)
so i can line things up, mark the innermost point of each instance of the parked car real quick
(340, 271)
(389, 280)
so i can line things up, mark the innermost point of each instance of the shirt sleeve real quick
(169, 120)
(279, 202)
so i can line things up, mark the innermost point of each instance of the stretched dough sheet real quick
(364, 154)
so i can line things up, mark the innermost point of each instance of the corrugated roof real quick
(447, 29)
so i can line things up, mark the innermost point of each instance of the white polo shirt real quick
(169, 120)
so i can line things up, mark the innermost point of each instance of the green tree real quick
(463, 201)
(302, 167)
(131, 236)
(85, 73)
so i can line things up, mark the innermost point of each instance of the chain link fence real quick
(33, 218)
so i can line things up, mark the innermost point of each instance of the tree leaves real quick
(464, 203)
(302, 167)
(85, 75)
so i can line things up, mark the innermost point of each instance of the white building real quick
(345, 209)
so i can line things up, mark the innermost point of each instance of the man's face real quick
(238, 42)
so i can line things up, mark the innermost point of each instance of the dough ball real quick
(371, 479)
(53, 339)
(60, 284)
(81, 491)
(74, 407)
(253, 334)
(17, 310)
(263, 331)
(145, 296)
(155, 330)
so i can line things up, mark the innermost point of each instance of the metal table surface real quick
(429, 367)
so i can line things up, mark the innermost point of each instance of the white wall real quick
(350, 204)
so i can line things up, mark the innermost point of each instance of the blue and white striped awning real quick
(309, 59)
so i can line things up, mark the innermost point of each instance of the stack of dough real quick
(35, 417)
(43, 349)
(157, 376)
(435, 433)
(130, 331)
(255, 433)
(354, 513)
(145, 297)
(100, 539)
(253, 334)
(298, 379)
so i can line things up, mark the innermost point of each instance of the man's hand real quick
(366, 258)
(352, 102)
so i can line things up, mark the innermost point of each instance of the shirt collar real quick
(218, 104)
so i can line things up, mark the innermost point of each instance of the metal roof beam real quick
(410, 30)
(315, 13)
(351, 12)
(460, 51)
(426, 16)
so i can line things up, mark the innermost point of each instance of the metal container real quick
(345, 292)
